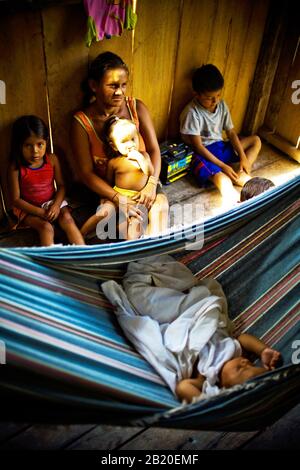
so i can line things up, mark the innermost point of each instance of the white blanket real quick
(173, 319)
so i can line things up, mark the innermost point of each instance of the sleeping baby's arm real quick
(269, 357)
(187, 389)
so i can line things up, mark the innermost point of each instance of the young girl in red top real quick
(36, 183)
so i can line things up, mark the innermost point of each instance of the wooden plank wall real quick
(45, 50)
(281, 104)
(273, 109)
(21, 68)
(214, 32)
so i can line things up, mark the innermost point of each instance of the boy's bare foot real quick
(243, 177)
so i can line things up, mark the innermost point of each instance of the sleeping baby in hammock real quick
(233, 371)
(181, 326)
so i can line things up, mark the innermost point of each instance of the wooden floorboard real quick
(282, 435)
(105, 438)
(181, 439)
(9, 430)
(46, 437)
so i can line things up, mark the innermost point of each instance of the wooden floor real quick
(284, 434)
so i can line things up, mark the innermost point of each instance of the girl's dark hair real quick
(102, 63)
(254, 187)
(109, 151)
(207, 78)
(24, 127)
(107, 127)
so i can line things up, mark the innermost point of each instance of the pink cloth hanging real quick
(108, 18)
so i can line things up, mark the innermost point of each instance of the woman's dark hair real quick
(207, 78)
(102, 63)
(24, 127)
(254, 187)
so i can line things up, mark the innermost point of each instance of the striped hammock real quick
(67, 359)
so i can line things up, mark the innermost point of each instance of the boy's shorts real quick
(203, 169)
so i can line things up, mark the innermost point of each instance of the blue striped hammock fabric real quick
(67, 359)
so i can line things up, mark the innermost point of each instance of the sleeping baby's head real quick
(254, 187)
(237, 371)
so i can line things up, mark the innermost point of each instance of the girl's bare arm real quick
(13, 178)
(61, 190)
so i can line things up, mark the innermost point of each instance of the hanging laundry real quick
(108, 18)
